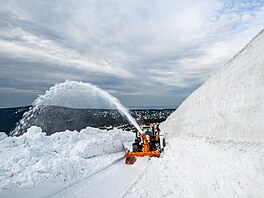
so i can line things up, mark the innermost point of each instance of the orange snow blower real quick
(146, 144)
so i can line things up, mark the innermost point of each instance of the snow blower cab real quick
(149, 143)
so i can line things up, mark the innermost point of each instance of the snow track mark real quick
(110, 182)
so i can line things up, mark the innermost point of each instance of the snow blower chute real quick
(149, 144)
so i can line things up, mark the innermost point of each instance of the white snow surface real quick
(200, 167)
(111, 183)
(36, 165)
(230, 105)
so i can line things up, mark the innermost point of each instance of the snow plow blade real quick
(131, 156)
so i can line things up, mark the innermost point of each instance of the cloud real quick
(31, 47)
(130, 49)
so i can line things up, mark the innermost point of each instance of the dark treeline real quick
(54, 119)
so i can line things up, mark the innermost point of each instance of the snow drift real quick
(230, 105)
(43, 163)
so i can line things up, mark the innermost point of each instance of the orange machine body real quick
(142, 154)
(131, 156)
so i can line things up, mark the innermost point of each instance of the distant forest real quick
(56, 119)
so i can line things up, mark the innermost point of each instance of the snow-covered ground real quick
(204, 168)
(36, 165)
(111, 182)
(191, 166)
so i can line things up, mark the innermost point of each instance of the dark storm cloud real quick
(144, 52)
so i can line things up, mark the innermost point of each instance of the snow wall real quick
(230, 105)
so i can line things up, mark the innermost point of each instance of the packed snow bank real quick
(34, 160)
(230, 105)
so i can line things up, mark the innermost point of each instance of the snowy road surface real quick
(192, 166)
(110, 182)
(200, 167)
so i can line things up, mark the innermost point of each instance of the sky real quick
(147, 53)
